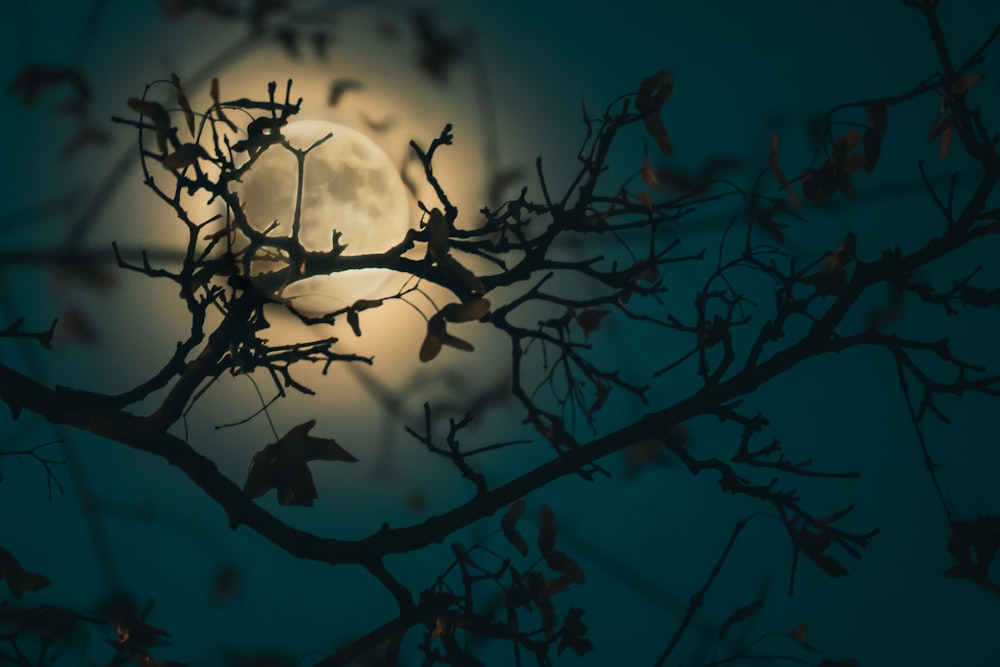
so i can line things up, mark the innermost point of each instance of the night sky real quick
(646, 539)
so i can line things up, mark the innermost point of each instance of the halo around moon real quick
(349, 186)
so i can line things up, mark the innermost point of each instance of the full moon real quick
(349, 185)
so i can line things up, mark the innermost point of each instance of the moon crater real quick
(349, 185)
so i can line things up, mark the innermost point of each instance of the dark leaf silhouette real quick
(320, 43)
(156, 113)
(225, 585)
(546, 529)
(590, 319)
(183, 156)
(574, 634)
(340, 87)
(469, 311)
(779, 175)
(288, 39)
(437, 52)
(872, 141)
(508, 524)
(438, 336)
(974, 547)
(32, 80)
(565, 565)
(282, 465)
(19, 580)
(379, 126)
(741, 614)
(185, 105)
(653, 93)
(217, 106)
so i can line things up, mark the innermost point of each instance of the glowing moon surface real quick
(349, 185)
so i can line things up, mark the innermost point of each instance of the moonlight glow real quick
(350, 186)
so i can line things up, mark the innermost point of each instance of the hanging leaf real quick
(508, 524)
(562, 563)
(438, 336)
(546, 529)
(185, 105)
(217, 105)
(653, 92)
(649, 175)
(573, 634)
(590, 319)
(779, 175)
(183, 156)
(741, 614)
(468, 311)
(873, 149)
(877, 118)
(340, 87)
(18, 579)
(156, 113)
(282, 465)
(799, 633)
(601, 395)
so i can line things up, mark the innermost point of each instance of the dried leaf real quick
(873, 149)
(560, 562)
(352, 319)
(546, 529)
(779, 175)
(602, 392)
(433, 340)
(18, 579)
(847, 143)
(156, 113)
(653, 92)
(573, 634)
(282, 465)
(340, 87)
(438, 336)
(217, 105)
(185, 105)
(646, 200)
(649, 175)
(945, 145)
(741, 614)
(590, 319)
(437, 52)
(963, 85)
(183, 156)
(799, 633)
(878, 119)
(468, 311)
(508, 524)
(225, 585)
